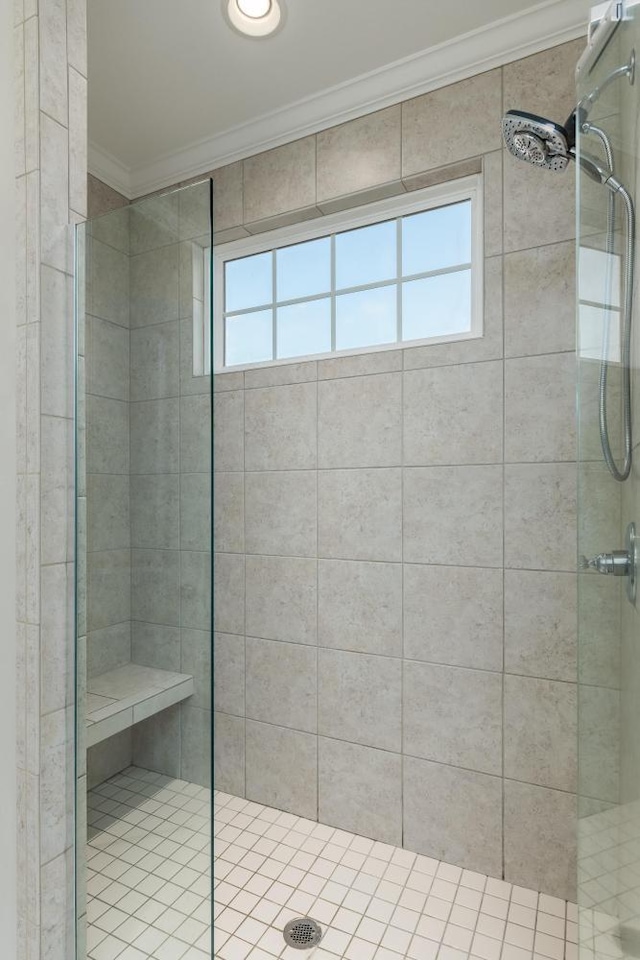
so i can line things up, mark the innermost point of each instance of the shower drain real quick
(303, 933)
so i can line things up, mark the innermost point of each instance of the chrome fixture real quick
(551, 146)
(618, 563)
(254, 18)
(302, 933)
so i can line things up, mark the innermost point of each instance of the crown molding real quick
(511, 38)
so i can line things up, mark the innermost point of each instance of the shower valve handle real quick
(619, 563)
(615, 563)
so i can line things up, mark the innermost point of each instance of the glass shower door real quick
(608, 497)
(143, 592)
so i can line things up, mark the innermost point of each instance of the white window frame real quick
(466, 188)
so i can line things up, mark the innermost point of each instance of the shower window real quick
(399, 272)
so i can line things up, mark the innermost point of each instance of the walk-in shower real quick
(552, 146)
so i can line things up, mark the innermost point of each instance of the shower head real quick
(537, 140)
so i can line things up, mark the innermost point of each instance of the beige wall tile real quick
(108, 295)
(281, 513)
(156, 645)
(272, 778)
(383, 361)
(453, 716)
(454, 815)
(107, 362)
(280, 180)
(195, 590)
(195, 434)
(429, 139)
(540, 620)
(156, 436)
(228, 501)
(229, 673)
(371, 434)
(155, 223)
(453, 615)
(227, 196)
(493, 214)
(360, 790)
(55, 233)
(228, 757)
(228, 430)
(539, 839)
(281, 600)
(360, 606)
(77, 35)
(53, 60)
(453, 515)
(539, 206)
(360, 514)
(539, 300)
(277, 376)
(540, 516)
(19, 114)
(108, 516)
(155, 286)
(155, 365)
(272, 697)
(603, 731)
(360, 154)
(453, 415)
(360, 699)
(77, 143)
(228, 593)
(540, 720)
(195, 745)
(155, 511)
(281, 427)
(155, 586)
(540, 408)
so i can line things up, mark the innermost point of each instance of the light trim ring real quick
(255, 26)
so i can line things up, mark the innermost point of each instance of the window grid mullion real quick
(458, 268)
(274, 300)
(399, 279)
(333, 293)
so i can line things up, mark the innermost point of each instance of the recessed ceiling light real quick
(254, 18)
(254, 8)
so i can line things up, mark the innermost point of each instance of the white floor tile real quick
(149, 888)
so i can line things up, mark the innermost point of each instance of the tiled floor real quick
(148, 884)
(148, 869)
(374, 901)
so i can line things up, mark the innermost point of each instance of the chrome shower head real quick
(537, 140)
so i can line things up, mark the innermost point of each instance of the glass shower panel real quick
(144, 598)
(608, 623)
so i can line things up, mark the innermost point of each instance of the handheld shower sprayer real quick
(551, 146)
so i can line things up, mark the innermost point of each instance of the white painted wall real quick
(8, 872)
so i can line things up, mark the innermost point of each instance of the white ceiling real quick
(165, 74)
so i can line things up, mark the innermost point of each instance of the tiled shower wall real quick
(148, 474)
(395, 575)
(50, 140)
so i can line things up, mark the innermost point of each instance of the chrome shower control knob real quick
(615, 563)
(618, 563)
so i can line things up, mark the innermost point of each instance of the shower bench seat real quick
(131, 693)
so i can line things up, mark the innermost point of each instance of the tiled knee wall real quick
(395, 533)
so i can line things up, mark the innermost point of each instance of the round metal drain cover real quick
(303, 933)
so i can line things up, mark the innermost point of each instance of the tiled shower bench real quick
(131, 693)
